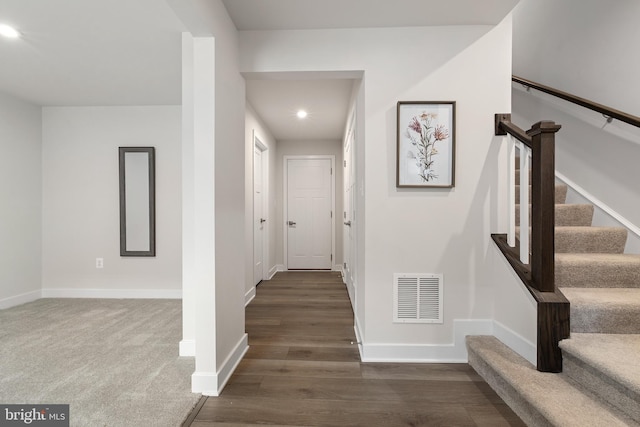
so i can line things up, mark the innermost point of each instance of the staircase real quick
(600, 382)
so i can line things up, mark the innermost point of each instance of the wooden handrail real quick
(591, 105)
(504, 126)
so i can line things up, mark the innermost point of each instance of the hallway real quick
(302, 369)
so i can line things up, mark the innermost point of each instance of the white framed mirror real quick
(137, 201)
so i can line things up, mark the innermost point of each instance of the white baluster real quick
(525, 154)
(511, 185)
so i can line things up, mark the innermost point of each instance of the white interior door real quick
(348, 217)
(258, 216)
(309, 214)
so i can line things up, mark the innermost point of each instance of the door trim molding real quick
(285, 201)
(257, 143)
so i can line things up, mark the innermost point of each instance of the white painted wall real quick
(307, 148)
(255, 126)
(580, 47)
(430, 231)
(587, 43)
(81, 206)
(20, 201)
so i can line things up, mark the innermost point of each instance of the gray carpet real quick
(114, 361)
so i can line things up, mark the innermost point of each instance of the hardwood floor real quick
(303, 369)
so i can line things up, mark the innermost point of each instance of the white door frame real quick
(350, 280)
(285, 208)
(257, 143)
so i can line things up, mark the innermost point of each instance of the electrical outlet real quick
(99, 262)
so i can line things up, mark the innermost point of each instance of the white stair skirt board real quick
(187, 348)
(20, 299)
(455, 352)
(113, 293)
(614, 219)
(516, 342)
(211, 384)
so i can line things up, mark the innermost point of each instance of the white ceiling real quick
(326, 101)
(127, 52)
(92, 52)
(324, 14)
(276, 101)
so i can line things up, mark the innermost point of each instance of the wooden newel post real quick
(543, 204)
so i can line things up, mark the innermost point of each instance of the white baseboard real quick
(516, 342)
(272, 272)
(211, 384)
(249, 296)
(455, 352)
(113, 293)
(280, 267)
(356, 328)
(19, 299)
(232, 361)
(187, 348)
(205, 383)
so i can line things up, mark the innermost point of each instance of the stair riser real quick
(590, 240)
(561, 193)
(620, 397)
(605, 319)
(581, 275)
(567, 215)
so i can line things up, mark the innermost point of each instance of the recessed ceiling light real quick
(9, 32)
(301, 114)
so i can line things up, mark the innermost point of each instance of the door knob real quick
(347, 223)
(262, 220)
(292, 223)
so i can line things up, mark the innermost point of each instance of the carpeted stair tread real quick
(540, 399)
(597, 270)
(604, 310)
(560, 191)
(606, 365)
(567, 215)
(590, 239)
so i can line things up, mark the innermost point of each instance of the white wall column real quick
(188, 343)
(199, 217)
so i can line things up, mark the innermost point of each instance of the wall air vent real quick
(417, 298)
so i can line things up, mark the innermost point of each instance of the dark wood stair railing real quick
(538, 275)
(586, 103)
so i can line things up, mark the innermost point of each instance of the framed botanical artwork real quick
(426, 144)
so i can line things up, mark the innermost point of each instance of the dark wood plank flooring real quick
(302, 369)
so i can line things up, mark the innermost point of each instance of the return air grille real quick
(417, 298)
